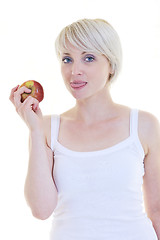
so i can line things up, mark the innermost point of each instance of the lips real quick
(78, 84)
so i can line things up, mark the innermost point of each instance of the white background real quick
(27, 33)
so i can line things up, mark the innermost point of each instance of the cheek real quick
(65, 73)
(105, 72)
(100, 74)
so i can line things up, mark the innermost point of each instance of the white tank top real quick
(100, 192)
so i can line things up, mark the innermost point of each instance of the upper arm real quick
(151, 181)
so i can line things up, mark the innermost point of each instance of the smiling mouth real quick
(78, 84)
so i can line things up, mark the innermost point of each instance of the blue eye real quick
(89, 58)
(66, 60)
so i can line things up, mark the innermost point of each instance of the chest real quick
(104, 172)
(81, 137)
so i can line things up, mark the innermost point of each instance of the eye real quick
(66, 59)
(89, 58)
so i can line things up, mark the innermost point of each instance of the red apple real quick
(37, 90)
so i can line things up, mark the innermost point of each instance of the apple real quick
(37, 90)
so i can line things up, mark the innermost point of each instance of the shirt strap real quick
(55, 122)
(134, 122)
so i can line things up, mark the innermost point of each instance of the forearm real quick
(40, 191)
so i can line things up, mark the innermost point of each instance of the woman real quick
(104, 153)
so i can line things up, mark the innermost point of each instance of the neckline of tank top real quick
(118, 146)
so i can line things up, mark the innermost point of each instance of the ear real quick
(112, 71)
(112, 65)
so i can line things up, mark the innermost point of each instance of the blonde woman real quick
(88, 165)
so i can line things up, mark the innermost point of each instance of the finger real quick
(17, 95)
(35, 105)
(39, 113)
(23, 90)
(26, 106)
(31, 103)
(11, 97)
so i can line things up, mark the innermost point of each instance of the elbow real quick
(42, 211)
(42, 215)
(41, 207)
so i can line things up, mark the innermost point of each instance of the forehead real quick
(70, 49)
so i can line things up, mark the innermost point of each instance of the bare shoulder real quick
(149, 129)
(148, 122)
(47, 128)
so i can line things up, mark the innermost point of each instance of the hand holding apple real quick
(29, 109)
(36, 90)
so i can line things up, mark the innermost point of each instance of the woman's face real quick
(85, 74)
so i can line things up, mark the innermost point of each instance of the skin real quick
(94, 116)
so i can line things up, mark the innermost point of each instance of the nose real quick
(76, 68)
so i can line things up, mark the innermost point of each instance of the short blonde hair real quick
(93, 35)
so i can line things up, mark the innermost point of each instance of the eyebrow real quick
(70, 54)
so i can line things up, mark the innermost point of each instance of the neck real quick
(95, 108)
